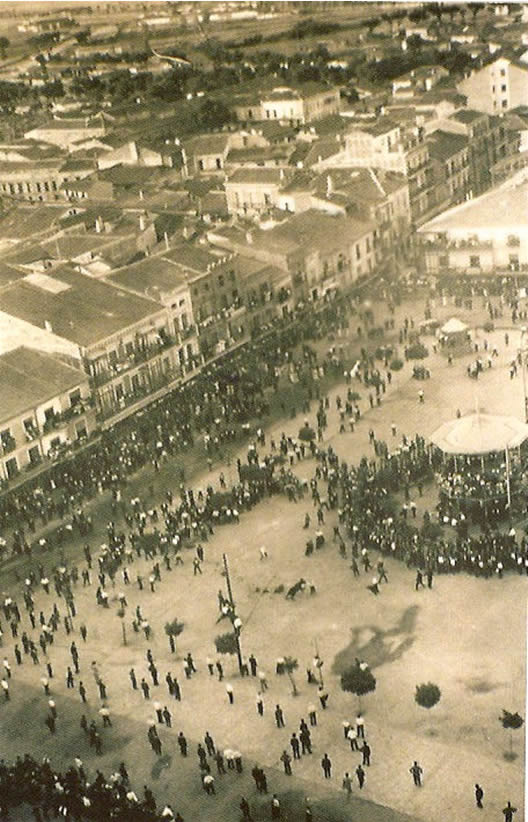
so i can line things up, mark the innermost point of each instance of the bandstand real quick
(481, 461)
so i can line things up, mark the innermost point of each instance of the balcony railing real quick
(136, 357)
(7, 444)
(59, 420)
(152, 383)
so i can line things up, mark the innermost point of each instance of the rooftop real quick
(444, 144)
(29, 378)
(262, 176)
(84, 311)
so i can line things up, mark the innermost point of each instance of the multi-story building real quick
(45, 404)
(253, 191)
(487, 235)
(295, 105)
(489, 142)
(449, 158)
(122, 341)
(497, 87)
(320, 252)
(384, 145)
(381, 197)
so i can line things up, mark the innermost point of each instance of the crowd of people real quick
(147, 539)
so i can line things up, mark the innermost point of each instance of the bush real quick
(357, 681)
(427, 694)
(417, 351)
(396, 364)
(488, 326)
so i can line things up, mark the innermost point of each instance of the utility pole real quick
(234, 619)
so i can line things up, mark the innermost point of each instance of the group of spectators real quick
(71, 795)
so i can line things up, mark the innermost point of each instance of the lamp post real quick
(235, 620)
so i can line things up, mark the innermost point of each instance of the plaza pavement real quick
(467, 635)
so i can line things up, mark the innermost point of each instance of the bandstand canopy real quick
(453, 326)
(480, 434)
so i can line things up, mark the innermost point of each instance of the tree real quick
(226, 643)
(511, 722)
(427, 694)
(359, 681)
(290, 665)
(173, 630)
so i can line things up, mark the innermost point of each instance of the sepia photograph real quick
(263, 411)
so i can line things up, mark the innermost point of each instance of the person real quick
(279, 716)
(365, 750)
(508, 812)
(275, 807)
(295, 746)
(230, 694)
(419, 580)
(360, 726)
(322, 693)
(208, 783)
(182, 742)
(285, 758)
(352, 737)
(326, 765)
(347, 784)
(417, 772)
(360, 773)
(479, 796)
(244, 807)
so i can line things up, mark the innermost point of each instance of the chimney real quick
(48, 327)
(166, 238)
(281, 173)
(141, 196)
(142, 222)
(99, 225)
(329, 186)
(249, 238)
(185, 232)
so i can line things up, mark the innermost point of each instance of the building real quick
(489, 141)
(497, 87)
(253, 191)
(206, 154)
(449, 159)
(45, 404)
(122, 341)
(292, 105)
(319, 252)
(487, 235)
(420, 79)
(67, 131)
(386, 145)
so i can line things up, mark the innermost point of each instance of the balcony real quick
(137, 357)
(7, 444)
(153, 382)
(59, 420)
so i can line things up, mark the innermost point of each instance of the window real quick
(11, 467)
(221, 280)
(358, 253)
(49, 413)
(218, 162)
(504, 104)
(503, 87)
(367, 244)
(75, 397)
(34, 455)
(201, 165)
(474, 261)
(503, 72)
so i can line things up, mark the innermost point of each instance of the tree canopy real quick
(427, 694)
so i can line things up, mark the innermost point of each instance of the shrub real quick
(396, 364)
(488, 326)
(427, 694)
